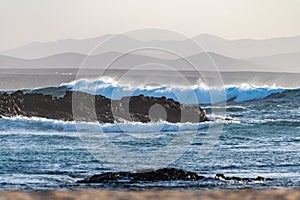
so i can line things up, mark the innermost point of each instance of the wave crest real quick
(195, 94)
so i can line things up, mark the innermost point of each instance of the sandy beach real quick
(279, 194)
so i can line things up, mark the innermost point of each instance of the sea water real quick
(261, 138)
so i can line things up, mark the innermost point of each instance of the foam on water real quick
(188, 95)
(35, 123)
(262, 138)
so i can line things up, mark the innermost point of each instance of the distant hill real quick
(202, 61)
(36, 50)
(285, 61)
(243, 48)
(11, 62)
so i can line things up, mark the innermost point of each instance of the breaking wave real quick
(196, 94)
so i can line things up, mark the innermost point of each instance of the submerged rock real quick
(238, 179)
(96, 107)
(166, 174)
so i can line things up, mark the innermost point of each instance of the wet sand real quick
(245, 194)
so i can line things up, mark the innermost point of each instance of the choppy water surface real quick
(263, 139)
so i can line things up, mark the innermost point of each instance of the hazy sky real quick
(24, 21)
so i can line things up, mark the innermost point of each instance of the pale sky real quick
(24, 21)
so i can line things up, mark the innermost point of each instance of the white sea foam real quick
(195, 94)
(35, 123)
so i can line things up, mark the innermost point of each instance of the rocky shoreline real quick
(134, 108)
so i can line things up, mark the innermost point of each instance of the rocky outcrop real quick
(166, 174)
(135, 108)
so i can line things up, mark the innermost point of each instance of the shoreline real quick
(245, 194)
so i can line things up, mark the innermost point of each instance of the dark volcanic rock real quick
(166, 174)
(234, 178)
(90, 108)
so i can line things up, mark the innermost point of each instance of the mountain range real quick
(277, 54)
(202, 61)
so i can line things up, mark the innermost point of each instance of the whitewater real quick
(260, 136)
(193, 94)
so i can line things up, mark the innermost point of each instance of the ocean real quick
(259, 136)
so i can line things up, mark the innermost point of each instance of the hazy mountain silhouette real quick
(202, 61)
(36, 50)
(285, 61)
(11, 62)
(278, 54)
(243, 48)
